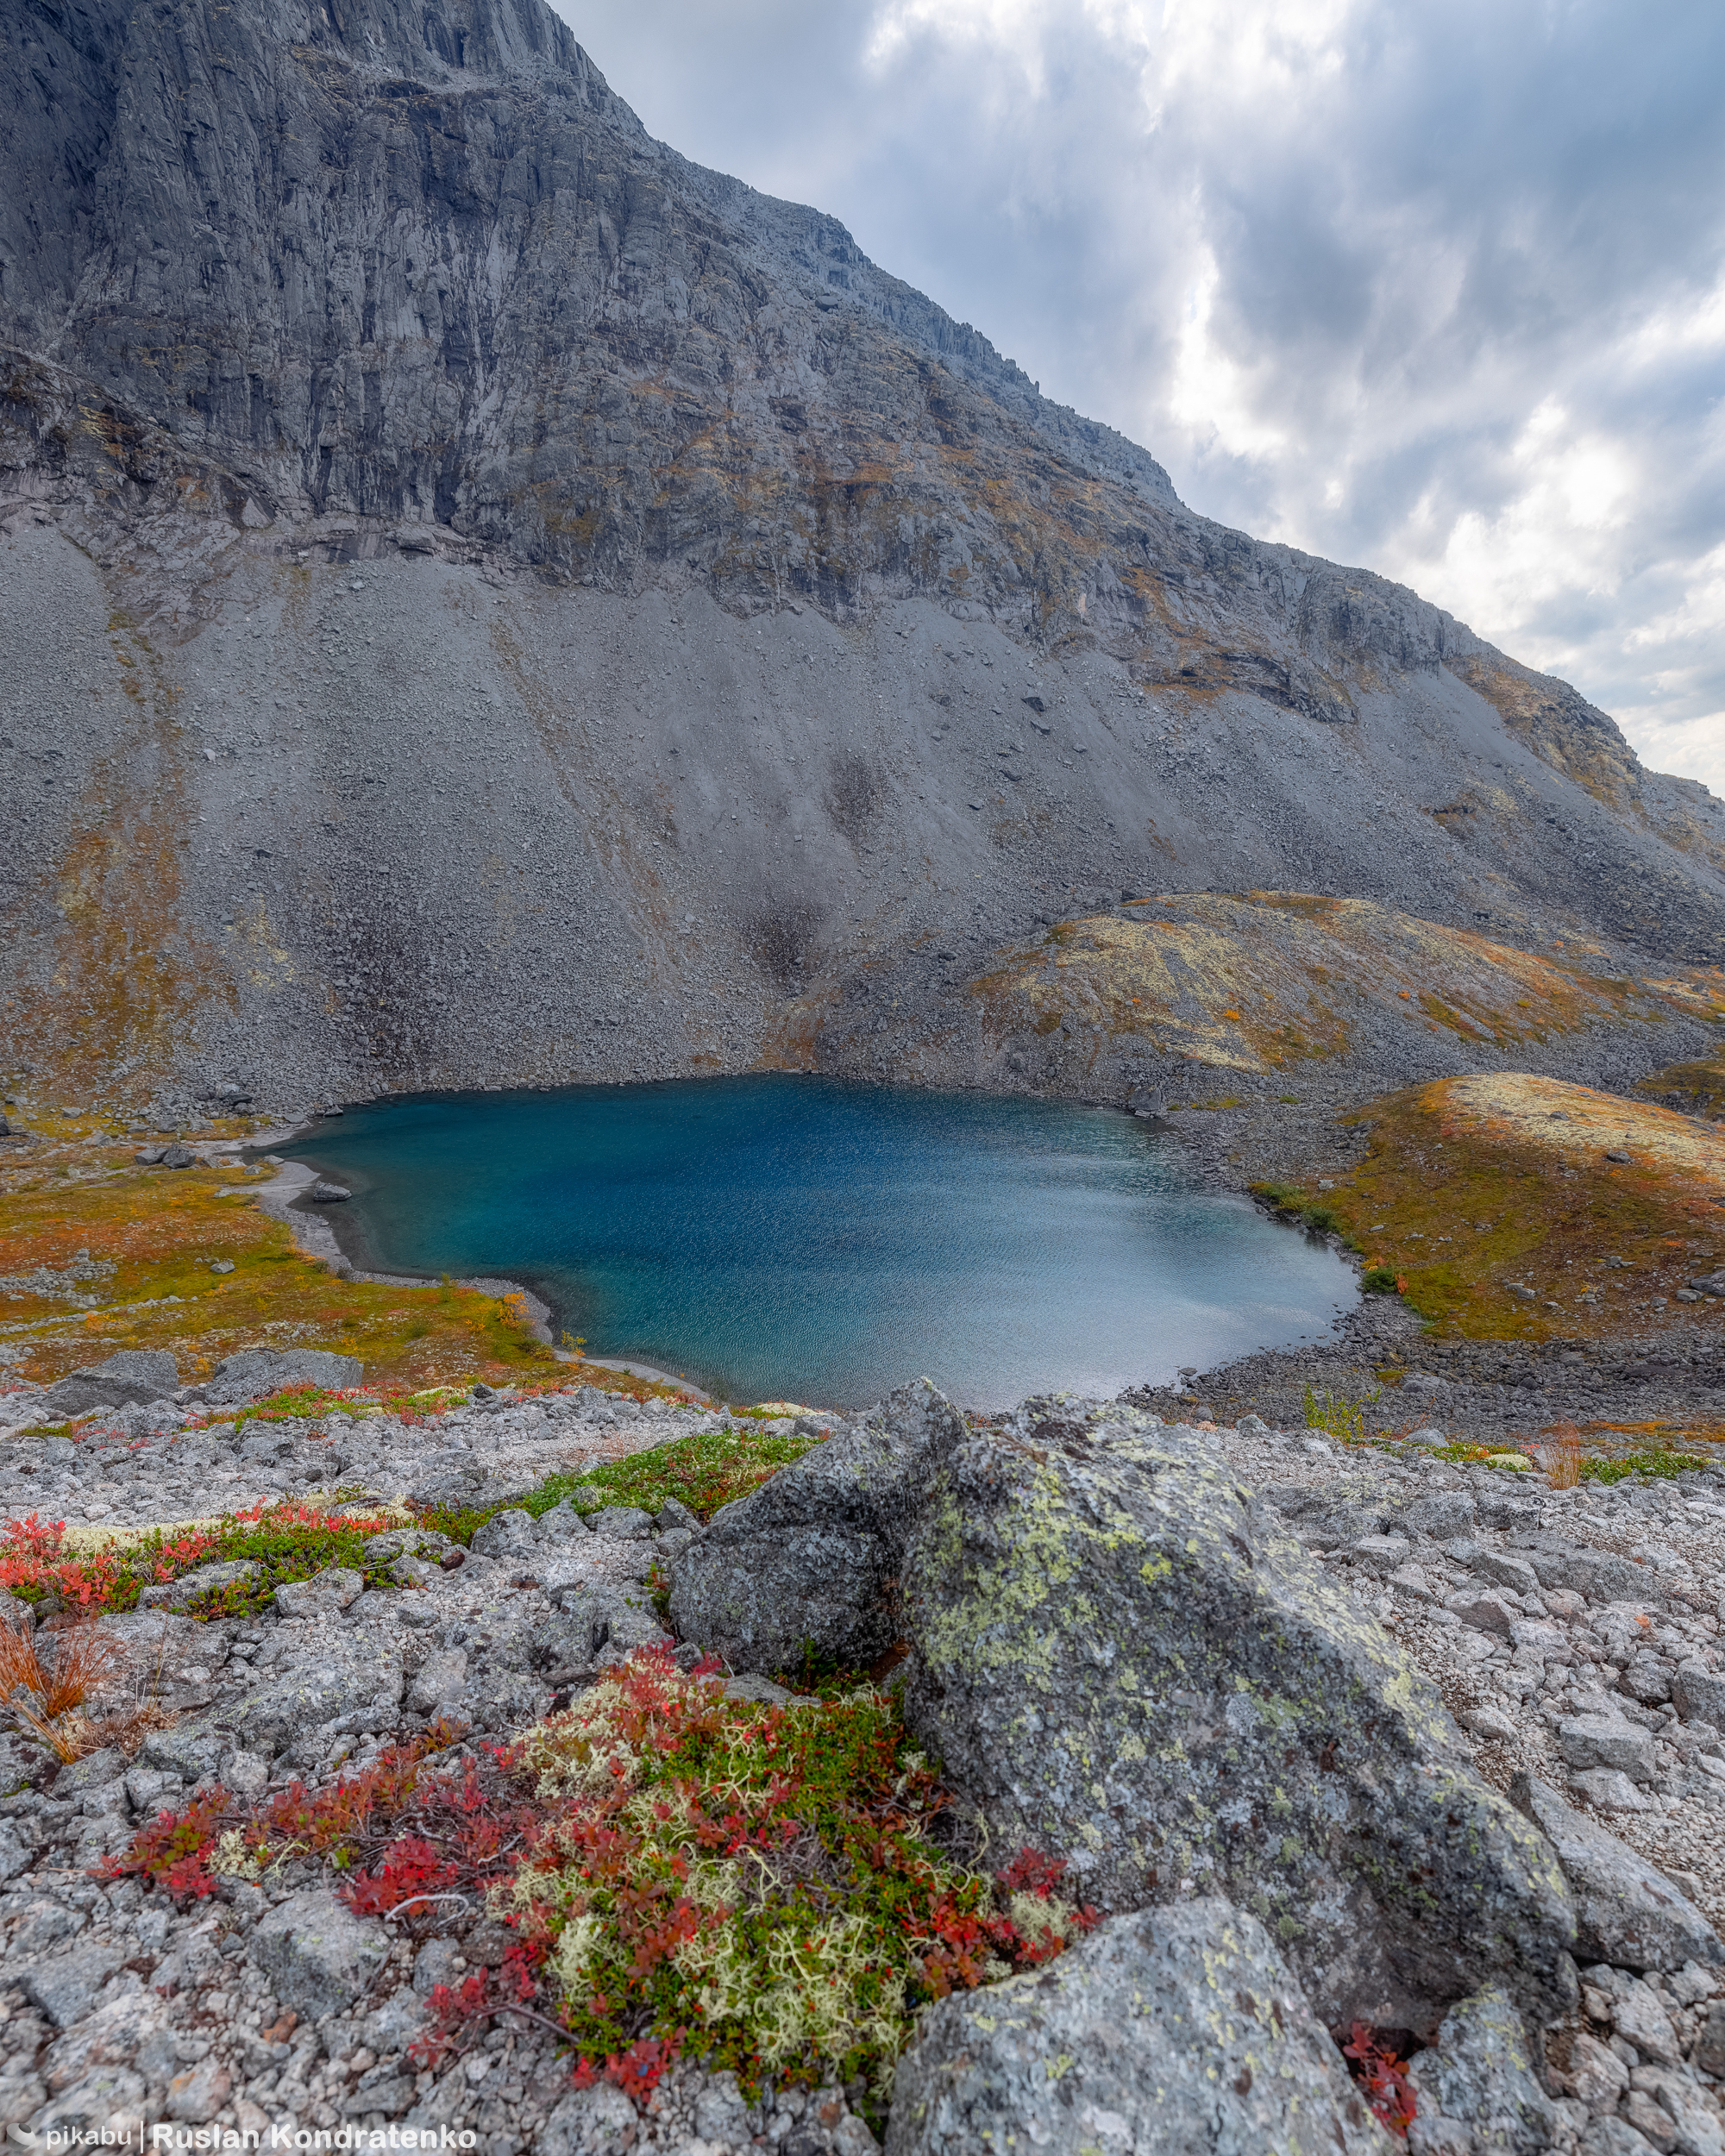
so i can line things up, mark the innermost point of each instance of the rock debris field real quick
(1340, 1745)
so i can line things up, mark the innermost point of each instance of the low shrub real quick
(1343, 1418)
(288, 1540)
(1649, 1459)
(1379, 1280)
(777, 1887)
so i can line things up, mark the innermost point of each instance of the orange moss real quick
(1256, 979)
(162, 1229)
(1476, 1187)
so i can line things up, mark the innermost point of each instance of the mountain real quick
(489, 601)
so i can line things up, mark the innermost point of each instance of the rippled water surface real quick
(787, 1238)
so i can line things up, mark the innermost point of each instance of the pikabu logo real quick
(171, 2138)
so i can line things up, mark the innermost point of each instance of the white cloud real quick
(1433, 286)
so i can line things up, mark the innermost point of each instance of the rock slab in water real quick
(1174, 2032)
(136, 1376)
(811, 1555)
(1119, 1656)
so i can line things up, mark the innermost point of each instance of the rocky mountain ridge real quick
(495, 539)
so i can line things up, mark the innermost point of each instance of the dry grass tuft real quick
(47, 1699)
(1559, 1454)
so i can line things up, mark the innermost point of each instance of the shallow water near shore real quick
(777, 1236)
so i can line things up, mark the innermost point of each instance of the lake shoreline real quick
(988, 1244)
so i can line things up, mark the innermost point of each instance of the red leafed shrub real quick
(173, 1851)
(414, 1871)
(777, 1879)
(1383, 2079)
(636, 2071)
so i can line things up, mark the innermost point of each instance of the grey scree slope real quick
(489, 601)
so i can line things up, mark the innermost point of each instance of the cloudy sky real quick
(1437, 286)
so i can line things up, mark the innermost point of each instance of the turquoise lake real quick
(788, 1237)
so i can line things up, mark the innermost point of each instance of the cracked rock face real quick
(1117, 1654)
(429, 436)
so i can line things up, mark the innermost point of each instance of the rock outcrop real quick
(495, 535)
(811, 1559)
(1117, 1655)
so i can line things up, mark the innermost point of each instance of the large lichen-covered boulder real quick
(136, 1377)
(253, 1373)
(1174, 2032)
(1119, 1657)
(810, 1557)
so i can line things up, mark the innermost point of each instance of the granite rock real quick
(1117, 1655)
(1626, 1913)
(1482, 2073)
(139, 1375)
(318, 1957)
(1174, 2032)
(811, 1556)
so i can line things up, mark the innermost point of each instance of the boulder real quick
(589, 2122)
(1119, 1659)
(341, 1682)
(1691, 2120)
(622, 1523)
(139, 1375)
(1626, 1913)
(1597, 1574)
(325, 1595)
(190, 1751)
(1604, 1740)
(1174, 2032)
(1440, 1513)
(322, 1193)
(440, 1683)
(102, 2109)
(562, 1523)
(65, 1985)
(203, 1579)
(508, 1534)
(318, 1957)
(254, 1372)
(1698, 1694)
(1480, 2075)
(811, 1556)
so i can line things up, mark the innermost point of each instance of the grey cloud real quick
(1418, 233)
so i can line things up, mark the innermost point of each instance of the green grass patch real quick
(704, 1470)
(1343, 1418)
(1652, 1459)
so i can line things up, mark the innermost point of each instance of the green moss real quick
(704, 1471)
(1656, 1460)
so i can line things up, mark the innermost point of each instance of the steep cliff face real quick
(732, 630)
